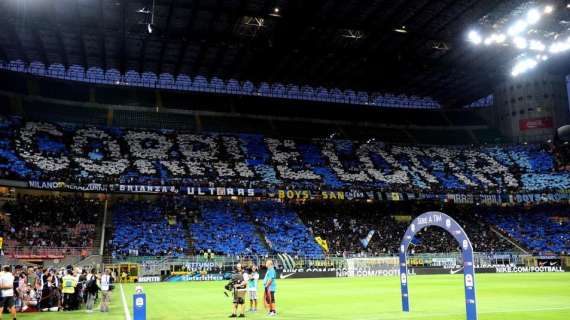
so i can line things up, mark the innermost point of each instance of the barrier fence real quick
(36, 252)
(199, 268)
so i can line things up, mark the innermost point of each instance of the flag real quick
(366, 240)
(395, 196)
(323, 243)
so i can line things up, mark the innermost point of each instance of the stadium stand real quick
(224, 227)
(142, 228)
(114, 80)
(346, 225)
(283, 230)
(377, 145)
(50, 222)
(544, 229)
(49, 152)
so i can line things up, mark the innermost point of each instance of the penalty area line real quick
(125, 308)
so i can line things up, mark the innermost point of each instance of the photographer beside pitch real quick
(239, 286)
(269, 287)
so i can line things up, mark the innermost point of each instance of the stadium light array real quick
(521, 36)
(533, 16)
(523, 66)
(536, 45)
(401, 30)
(517, 28)
(520, 42)
(474, 37)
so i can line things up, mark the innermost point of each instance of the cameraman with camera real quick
(239, 287)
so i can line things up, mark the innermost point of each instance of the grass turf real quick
(533, 296)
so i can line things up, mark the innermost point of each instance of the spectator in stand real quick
(39, 151)
(345, 225)
(52, 222)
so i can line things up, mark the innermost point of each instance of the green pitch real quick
(500, 297)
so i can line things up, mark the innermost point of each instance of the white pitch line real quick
(127, 313)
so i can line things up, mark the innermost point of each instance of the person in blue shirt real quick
(269, 286)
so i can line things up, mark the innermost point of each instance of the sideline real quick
(125, 308)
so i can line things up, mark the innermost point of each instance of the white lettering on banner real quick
(116, 162)
(398, 176)
(431, 219)
(310, 270)
(97, 152)
(218, 191)
(51, 185)
(149, 279)
(329, 150)
(147, 189)
(209, 277)
(416, 168)
(372, 272)
(25, 147)
(284, 153)
(208, 266)
(148, 145)
(521, 269)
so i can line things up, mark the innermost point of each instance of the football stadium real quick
(317, 159)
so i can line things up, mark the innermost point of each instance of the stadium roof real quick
(414, 47)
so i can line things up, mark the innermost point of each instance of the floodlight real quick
(548, 9)
(520, 42)
(558, 47)
(488, 41)
(401, 30)
(523, 66)
(275, 12)
(500, 38)
(149, 28)
(474, 37)
(517, 27)
(536, 45)
(533, 16)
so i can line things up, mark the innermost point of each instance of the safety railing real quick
(215, 85)
(38, 252)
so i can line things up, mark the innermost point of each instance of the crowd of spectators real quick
(144, 228)
(345, 225)
(284, 232)
(50, 290)
(175, 226)
(50, 221)
(561, 155)
(226, 228)
(72, 153)
(541, 229)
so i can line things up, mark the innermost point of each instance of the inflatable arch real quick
(439, 219)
